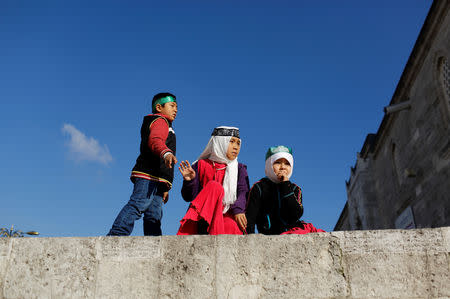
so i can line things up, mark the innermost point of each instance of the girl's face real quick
(282, 168)
(234, 147)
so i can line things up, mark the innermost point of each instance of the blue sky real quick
(76, 78)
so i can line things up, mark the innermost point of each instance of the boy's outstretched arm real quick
(166, 197)
(170, 159)
(159, 130)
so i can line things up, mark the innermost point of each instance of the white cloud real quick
(83, 148)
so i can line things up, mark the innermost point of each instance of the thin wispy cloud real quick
(83, 148)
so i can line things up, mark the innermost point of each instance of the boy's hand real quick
(165, 197)
(187, 171)
(241, 221)
(170, 160)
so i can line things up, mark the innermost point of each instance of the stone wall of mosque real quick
(402, 174)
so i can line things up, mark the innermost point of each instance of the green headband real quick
(163, 100)
(278, 149)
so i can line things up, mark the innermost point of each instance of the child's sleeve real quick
(291, 202)
(191, 188)
(159, 130)
(253, 207)
(243, 185)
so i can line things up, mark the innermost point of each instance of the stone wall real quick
(402, 176)
(357, 264)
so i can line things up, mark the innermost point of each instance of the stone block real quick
(121, 248)
(396, 263)
(131, 278)
(257, 266)
(387, 275)
(51, 268)
(4, 254)
(393, 241)
(358, 264)
(438, 274)
(128, 267)
(446, 238)
(188, 267)
(4, 247)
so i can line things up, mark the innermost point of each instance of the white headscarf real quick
(216, 150)
(270, 173)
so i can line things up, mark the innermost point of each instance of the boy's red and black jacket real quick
(150, 165)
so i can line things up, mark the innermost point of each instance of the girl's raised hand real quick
(187, 171)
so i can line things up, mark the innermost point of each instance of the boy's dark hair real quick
(161, 95)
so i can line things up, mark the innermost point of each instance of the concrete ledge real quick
(358, 264)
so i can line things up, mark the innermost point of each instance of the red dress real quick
(208, 203)
(306, 229)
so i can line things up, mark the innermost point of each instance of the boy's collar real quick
(161, 114)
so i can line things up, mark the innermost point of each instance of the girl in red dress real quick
(217, 186)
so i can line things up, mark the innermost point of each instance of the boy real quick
(152, 175)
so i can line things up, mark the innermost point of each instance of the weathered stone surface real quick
(388, 275)
(393, 241)
(51, 268)
(4, 247)
(357, 264)
(128, 267)
(397, 263)
(285, 266)
(438, 274)
(4, 254)
(446, 236)
(188, 267)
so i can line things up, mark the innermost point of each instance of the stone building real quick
(401, 178)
